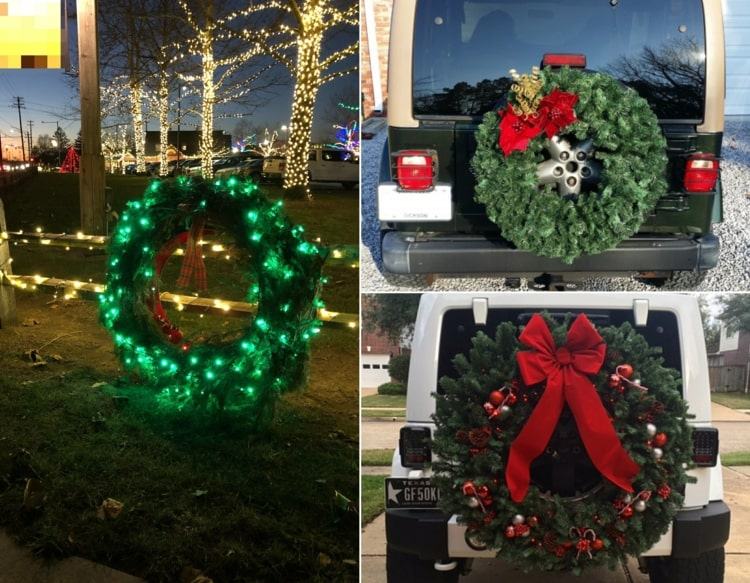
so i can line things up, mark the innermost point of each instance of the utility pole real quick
(31, 137)
(19, 103)
(2, 168)
(91, 178)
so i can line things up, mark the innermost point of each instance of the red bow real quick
(555, 113)
(565, 369)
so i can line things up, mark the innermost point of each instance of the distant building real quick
(729, 368)
(189, 141)
(376, 352)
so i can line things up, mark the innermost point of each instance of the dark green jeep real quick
(449, 63)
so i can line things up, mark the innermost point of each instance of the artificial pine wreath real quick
(574, 166)
(563, 447)
(269, 356)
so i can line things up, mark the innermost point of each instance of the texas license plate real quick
(406, 493)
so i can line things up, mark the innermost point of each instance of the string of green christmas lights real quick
(285, 270)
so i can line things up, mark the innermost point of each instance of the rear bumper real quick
(425, 532)
(404, 254)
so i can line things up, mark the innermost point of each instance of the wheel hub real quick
(570, 166)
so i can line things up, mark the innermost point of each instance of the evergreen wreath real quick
(496, 411)
(268, 357)
(552, 117)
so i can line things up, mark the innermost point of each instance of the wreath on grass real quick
(564, 447)
(268, 356)
(575, 165)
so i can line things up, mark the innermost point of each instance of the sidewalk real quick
(19, 565)
(736, 495)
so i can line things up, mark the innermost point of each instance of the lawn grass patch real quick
(373, 498)
(384, 401)
(733, 400)
(377, 457)
(201, 490)
(736, 458)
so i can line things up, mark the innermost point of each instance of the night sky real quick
(50, 95)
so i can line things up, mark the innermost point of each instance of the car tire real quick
(705, 568)
(408, 568)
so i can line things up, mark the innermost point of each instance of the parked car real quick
(449, 63)
(334, 165)
(273, 168)
(248, 168)
(426, 545)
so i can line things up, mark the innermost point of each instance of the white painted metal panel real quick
(737, 38)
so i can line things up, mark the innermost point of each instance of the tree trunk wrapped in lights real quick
(136, 110)
(163, 108)
(299, 48)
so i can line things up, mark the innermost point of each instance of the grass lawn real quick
(737, 458)
(377, 457)
(733, 400)
(373, 498)
(198, 490)
(384, 401)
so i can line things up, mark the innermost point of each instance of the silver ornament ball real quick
(639, 506)
(651, 429)
(658, 453)
(473, 502)
(519, 519)
(504, 411)
(628, 498)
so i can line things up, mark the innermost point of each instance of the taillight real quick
(705, 446)
(564, 60)
(415, 169)
(701, 173)
(415, 446)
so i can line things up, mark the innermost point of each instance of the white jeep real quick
(424, 544)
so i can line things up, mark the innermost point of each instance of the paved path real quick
(19, 565)
(737, 495)
(379, 434)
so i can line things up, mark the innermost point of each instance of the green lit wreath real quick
(529, 481)
(575, 165)
(269, 356)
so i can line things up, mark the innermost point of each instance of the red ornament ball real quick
(560, 551)
(627, 512)
(614, 382)
(583, 545)
(511, 399)
(597, 545)
(496, 398)
(625, 370)
(664, 491)
(660, 439)
(532, 521)
(510, 532)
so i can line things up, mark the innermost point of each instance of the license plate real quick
(434, 205)
(406, 493)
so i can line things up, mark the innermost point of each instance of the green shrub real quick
(398, 368)
(392, 389)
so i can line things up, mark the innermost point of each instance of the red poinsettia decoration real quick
(554, 114)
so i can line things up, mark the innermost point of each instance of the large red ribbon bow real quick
(566, 369)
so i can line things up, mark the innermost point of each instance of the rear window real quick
(463, 50)
(459, 328)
